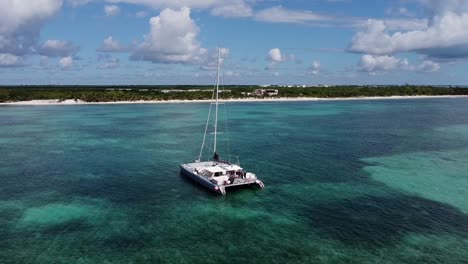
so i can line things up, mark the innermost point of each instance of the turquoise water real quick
(346, 182)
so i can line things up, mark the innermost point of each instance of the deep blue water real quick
(380, 181)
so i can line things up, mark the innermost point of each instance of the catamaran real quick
(217, 174)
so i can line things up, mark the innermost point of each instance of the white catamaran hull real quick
(190, 170)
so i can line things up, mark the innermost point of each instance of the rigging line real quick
(206, 129)
(210, 144)
(217, 95)
(208, 148)
(226, 115)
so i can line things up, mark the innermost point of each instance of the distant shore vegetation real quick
(165, 93)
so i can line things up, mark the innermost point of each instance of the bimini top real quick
(214, 169)
(222, 168)
(231, 167)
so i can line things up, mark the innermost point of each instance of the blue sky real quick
(264, 41)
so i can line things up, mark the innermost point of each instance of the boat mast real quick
(217, 95)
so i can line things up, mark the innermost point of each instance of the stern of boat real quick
(221, 190)
(260, 184)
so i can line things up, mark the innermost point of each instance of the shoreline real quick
(279, 99)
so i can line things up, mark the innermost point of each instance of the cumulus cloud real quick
(428, 66)
(172, 39)
(375, 63)
(444, 36)
(371, 63)
(10, 60)
(20, 27)
(57, 48)
(314, 69)
(66, 62)
(16, 14)
(111, 10)
(111, 45)
(21, 21)
(275, 55)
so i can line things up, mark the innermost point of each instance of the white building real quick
(265, 92)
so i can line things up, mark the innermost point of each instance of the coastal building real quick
(265, 92)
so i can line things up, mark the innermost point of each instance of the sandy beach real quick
(277, 99)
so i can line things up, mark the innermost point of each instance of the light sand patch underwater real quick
(439, 176)
(57, 214)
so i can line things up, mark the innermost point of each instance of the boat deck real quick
(219, 175)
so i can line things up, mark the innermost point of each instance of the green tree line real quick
(135, 93)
